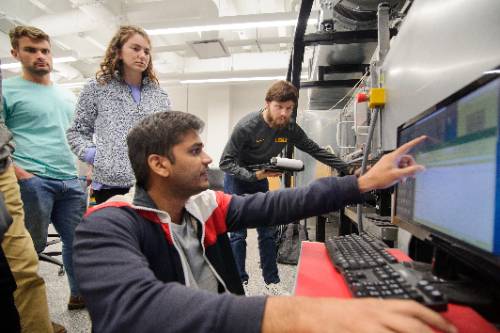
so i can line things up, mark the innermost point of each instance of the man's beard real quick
(186, 190)
(39, 72)
(275, 124)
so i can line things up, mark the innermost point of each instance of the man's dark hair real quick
(158, 134)
(282, 91)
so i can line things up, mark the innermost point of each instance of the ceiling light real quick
(10, 65)
(55, 61)
(227, 26)
(234, 79)
(64, 59)
(197, 81)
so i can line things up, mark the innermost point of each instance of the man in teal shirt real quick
(38, 113)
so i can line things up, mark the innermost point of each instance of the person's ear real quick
(160, 165)
(14, 53)
(266, 105)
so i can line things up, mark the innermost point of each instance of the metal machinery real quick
(353, 38)
(419, 51)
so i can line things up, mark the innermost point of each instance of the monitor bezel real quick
(437, 237)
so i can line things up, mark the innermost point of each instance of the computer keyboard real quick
(356, 252)
(370, 271)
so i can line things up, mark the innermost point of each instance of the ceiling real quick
(81, 29)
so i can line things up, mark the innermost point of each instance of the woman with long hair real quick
(124, 91)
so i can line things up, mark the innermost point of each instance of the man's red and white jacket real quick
(131, 276)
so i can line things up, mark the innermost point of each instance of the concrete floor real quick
(77, 321)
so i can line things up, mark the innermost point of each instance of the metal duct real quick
(344, 15)
(368, 5)
(355, 14)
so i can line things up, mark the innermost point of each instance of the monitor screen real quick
(457, 197)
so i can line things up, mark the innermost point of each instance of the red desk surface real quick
(317, 277)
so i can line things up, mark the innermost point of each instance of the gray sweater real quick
(107, 113)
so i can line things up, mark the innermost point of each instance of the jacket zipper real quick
(205, 257)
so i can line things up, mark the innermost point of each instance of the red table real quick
(316, 276)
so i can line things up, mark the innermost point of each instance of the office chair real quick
(48, 256)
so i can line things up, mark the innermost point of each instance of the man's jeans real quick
(266, 235)
(60, 202)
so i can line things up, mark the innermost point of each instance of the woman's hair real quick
(112, 63)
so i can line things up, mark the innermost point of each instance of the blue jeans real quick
(266, 235)
(60, 202)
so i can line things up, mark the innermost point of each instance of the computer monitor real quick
(457, 198)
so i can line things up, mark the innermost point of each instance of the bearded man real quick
(257, 138)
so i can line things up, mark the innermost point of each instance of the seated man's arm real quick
(284, 206)
(123, 294)
(321, 196)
